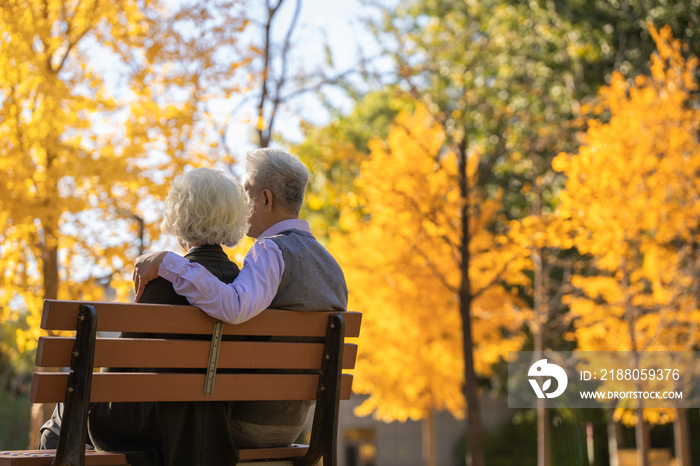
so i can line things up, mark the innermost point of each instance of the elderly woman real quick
(203, 210)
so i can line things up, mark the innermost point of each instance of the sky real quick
(338, 23)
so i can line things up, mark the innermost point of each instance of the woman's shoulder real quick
(229, 271)
(161, 291)
(214, 259)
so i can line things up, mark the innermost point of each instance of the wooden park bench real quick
(309, 346)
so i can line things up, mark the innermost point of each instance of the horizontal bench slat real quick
(46, 457)
(128, 352)
(50, 387)
(273, 453)
(92, 458)
(164, 318)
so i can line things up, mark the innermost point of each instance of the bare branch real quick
(495, 280)
(80, 36)
(323, 82)
(566, 278)
(431, 265)
(287, 47)
(264, 139)
(431, 216)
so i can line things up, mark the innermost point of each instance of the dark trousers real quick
(158, 434)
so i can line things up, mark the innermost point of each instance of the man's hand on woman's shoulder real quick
(145, 270)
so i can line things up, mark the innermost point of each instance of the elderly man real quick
(285, 269)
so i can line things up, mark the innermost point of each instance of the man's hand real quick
(145, 270)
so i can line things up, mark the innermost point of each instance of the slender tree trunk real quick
(640, 429)
(544, 449)
(428, 428)
(541, 318)
(50, 259)
(590, 443)
(543, 413)
(646, 430)
(474, 438)
(264, 136)
(41, 412)
(681, 435)
(614, 438)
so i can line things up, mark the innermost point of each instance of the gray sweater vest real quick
(312, 281)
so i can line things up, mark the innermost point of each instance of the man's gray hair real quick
(284, 174)
(207, 207)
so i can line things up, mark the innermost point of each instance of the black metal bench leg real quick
(324, 431)
(71, 442)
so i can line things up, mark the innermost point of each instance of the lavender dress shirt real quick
(249, 294)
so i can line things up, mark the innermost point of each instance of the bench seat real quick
(178, 353)
(46, 457)
(92, 458)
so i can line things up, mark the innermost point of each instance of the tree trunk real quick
(264, 136)
(590, 443)
(543, 414)
(474, 439)
(544, 455)
(541, 318)
(428, 427)
(641, 436)
(50, 259)
(681, 435)
(614, 438)
(640, 429)
(41, 412)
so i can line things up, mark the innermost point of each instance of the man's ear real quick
(267, 200)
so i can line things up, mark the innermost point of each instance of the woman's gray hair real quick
(281, 172)
(206, 207)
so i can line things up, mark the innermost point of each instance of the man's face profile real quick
(256, 218)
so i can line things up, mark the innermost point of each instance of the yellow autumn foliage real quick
(632, 202)
(402, 258)
(78, 156)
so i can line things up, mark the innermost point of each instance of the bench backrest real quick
(186, 350)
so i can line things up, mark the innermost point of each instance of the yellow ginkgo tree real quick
(78, 154)
(402, 262)
(632, 202)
